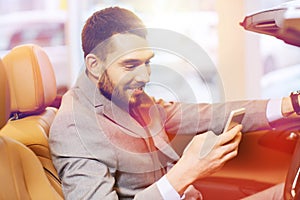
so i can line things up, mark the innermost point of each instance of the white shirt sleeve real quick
(274, 110)
(166, 189)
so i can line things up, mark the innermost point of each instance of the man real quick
(110, 140)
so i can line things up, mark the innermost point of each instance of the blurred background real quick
(250, 65)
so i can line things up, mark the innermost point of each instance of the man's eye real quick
(133, 66)
(130, 67)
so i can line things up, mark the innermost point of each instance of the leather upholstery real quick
(22, 175)
(31, 78)
(33, 88)
(4, 96)
(32, 131)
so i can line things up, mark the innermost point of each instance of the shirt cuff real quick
(166, 189)
(274, 110)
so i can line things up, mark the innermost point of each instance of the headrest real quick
(4, 96)
(31, 78)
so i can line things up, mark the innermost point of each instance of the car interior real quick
(32, 90)
(28, 105)
(27, 93)
(28, 181)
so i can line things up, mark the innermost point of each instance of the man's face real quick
(127, 70)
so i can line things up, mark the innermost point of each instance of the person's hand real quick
(194, 164)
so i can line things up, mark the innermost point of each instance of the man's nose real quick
(143, 74)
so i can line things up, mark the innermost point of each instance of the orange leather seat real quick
(21, 173)
(32, 90)
(4, 96)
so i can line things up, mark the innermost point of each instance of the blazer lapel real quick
(123, 119)
(151, 114)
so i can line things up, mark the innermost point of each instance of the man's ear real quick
(93, 65)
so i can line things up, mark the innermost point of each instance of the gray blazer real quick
(101, 152)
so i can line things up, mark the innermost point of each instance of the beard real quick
(137, 105)
(109, 90)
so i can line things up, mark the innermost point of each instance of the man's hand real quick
(191, 166)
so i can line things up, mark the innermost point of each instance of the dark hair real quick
(105, 23)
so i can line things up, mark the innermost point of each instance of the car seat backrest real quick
(32, 86)
(4, 96)
(21, 173)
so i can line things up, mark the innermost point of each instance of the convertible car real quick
(28, 104)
